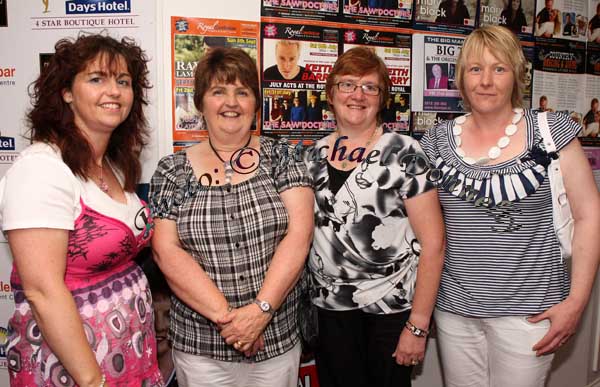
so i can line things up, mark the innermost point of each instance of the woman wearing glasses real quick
(379, 236)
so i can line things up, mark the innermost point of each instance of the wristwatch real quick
(264, 306)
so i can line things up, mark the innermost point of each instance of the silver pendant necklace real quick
(227, 164)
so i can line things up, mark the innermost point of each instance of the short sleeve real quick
(416, 164)
(290, 170)
(39, 191)
(429, 140)
(563, 129)
(163, 191)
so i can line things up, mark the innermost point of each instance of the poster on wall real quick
(590, 135)
(391, 13)
(593, 156)
(593, 27)
(302, 9)
(454, 16)
(394, 49)
(529, 53)
(3, 14)
(423, 121)
(561, 19)
(516, 15)
(297, 59)
(434, 73)
(559, 78)
(191, 39)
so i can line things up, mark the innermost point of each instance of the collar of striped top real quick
(510, 181)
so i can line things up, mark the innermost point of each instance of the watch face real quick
(264, 305)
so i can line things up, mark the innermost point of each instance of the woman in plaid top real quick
(233, 228)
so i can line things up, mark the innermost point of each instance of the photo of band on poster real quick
(298, 41)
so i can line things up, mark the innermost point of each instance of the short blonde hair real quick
(288, 43)
(505, 46)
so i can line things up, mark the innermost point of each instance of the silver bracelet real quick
(102, 381)
(416, 331)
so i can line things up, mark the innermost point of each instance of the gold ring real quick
(239, 343)
(414, 362)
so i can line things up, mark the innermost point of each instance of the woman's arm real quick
(247, 323)
(51, 302)
(584, 201)
(184, 275)
(425, 216)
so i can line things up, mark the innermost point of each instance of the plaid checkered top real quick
(232, 231)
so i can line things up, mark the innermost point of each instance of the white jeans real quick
(201, 371)
(491, 352)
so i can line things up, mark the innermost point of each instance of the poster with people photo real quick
(392, 13)
(559, 80)
(592, 29)
(561, 19)
(434, 73)
(516, 15)
(590, 135)
(529, 53)
(297, 59)
(423, 121)
(454, 16)
(191, 39)
(394, 49)
(302, 9)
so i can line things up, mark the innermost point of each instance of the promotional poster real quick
(3, 14)
(297, 59)
(302, 9)
(423, 121)
(590, 135)
(516, 15)
(454, 16)
(561, 19)
(559, 81)
(434, 72)
(192, 38)
(395, 51)
(592, 30)
(391, 13)
(529, 53)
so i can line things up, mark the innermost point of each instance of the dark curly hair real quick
(51, 120)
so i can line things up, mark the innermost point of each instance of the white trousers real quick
(201, 371)
(491, 352)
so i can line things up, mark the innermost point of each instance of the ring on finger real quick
(414, 362)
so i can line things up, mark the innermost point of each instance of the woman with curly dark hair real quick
(68, 205)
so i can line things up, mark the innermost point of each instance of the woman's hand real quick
(410, 349)
(242, 327)
(564, 318)
(258, 345)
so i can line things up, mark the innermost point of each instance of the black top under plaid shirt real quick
(232, 231)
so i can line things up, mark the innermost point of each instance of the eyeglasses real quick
(349, 87)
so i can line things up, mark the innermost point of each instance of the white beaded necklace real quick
(495, 150)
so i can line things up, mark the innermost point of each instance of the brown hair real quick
(360, 61)
(225, 65)
(505, 46)
(51, 120)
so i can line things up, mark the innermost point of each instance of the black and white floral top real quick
(364, 253)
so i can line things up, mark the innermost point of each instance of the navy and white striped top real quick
(502, 255)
